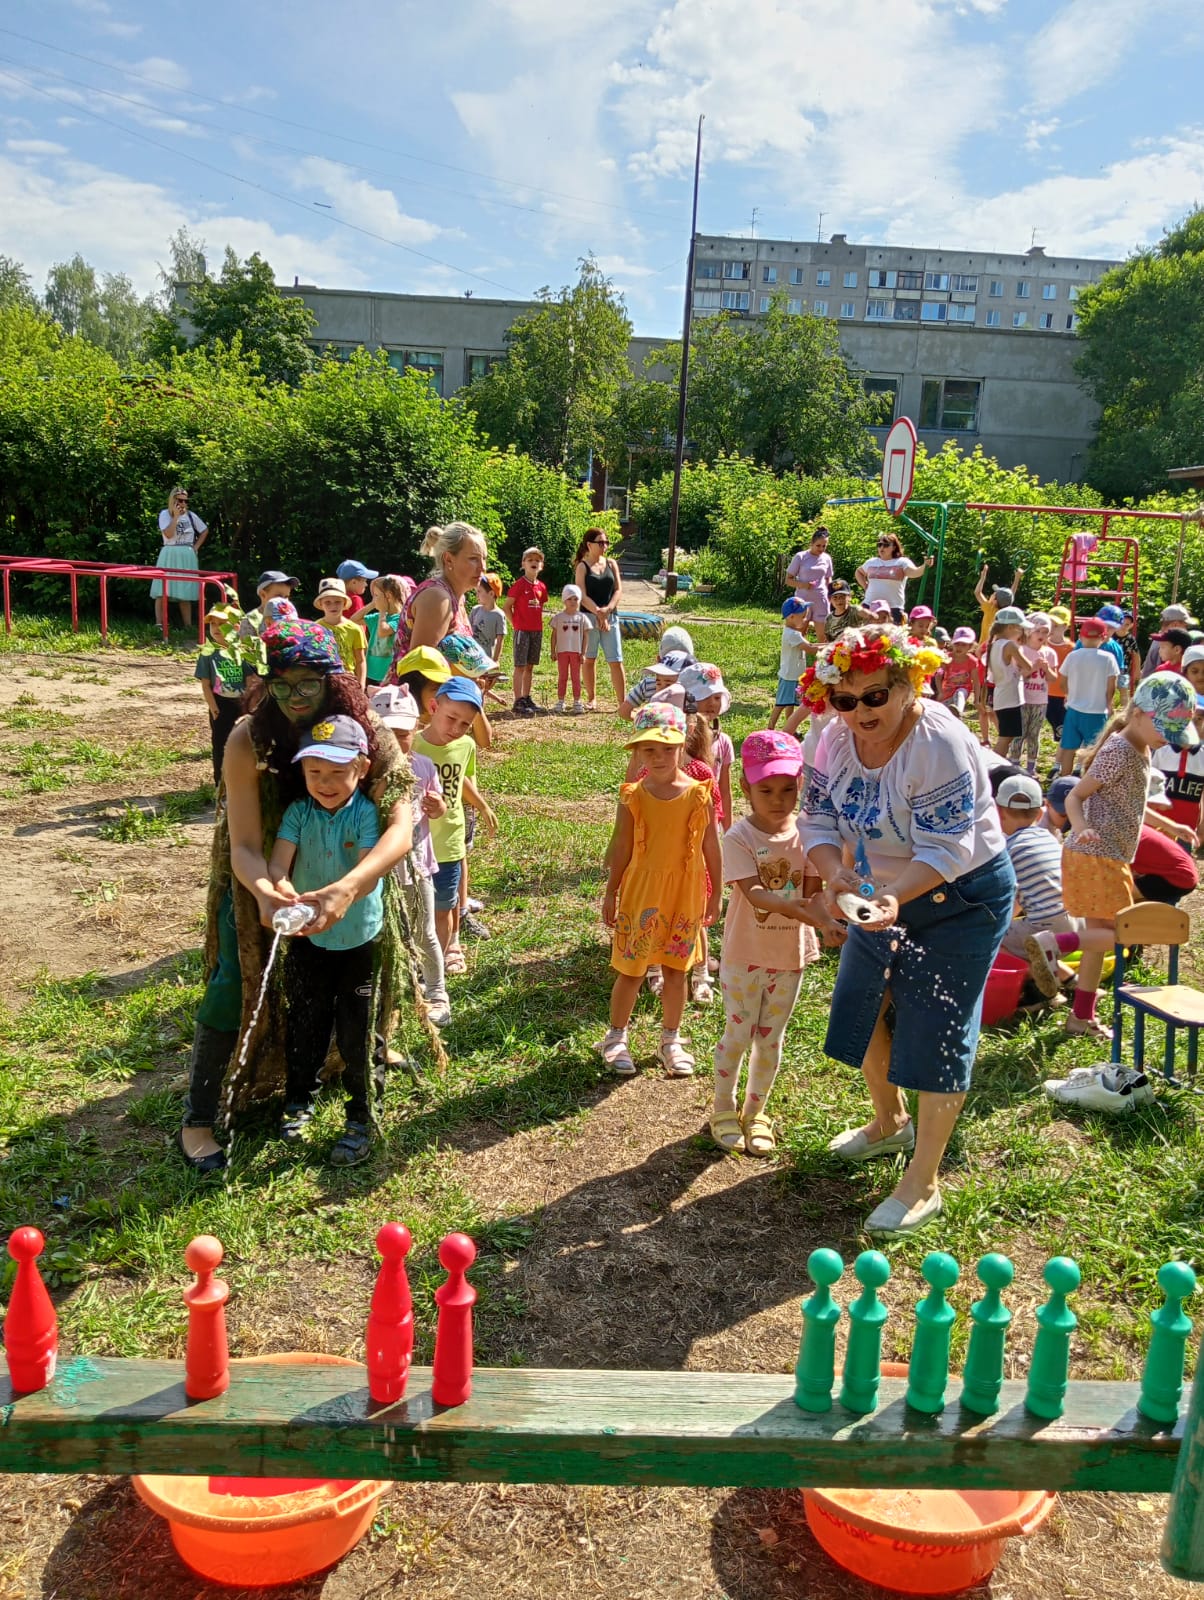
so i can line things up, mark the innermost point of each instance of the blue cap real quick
(1112, 615)
(1058, 790)
(793, 606)
(338, 739)
(354, 569)
(460, 689)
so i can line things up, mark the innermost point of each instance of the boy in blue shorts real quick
(796, 618)
(1091, 673)
(329, 976)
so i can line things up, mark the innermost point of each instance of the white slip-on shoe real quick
(852, 1144)
(893, 1219)
(1100, 1088)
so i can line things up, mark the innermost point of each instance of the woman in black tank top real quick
(601, 589)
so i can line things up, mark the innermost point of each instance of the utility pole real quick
(752, 226)
(819, 229)
(683, 385)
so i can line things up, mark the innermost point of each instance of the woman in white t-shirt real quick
(183, 535)
(885, 576)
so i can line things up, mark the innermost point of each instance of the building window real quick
(735, 300)
(962, 313)
(1019, 319)
(886, 386)
(430, 364)
(797, 275)
(850, 280)
(907, 311)
(882, 280)
(996, 289)
(910, 280)
(847, 308)
(769, 274)
(736, 269)
(1023, 289)
(1074, 291)
(820, 307)
(1072, 322)
(479, 366)
(763, 303)
(992, 319)
(1049, 291)
(963, 283)
(933, 311)
(708, 269)
(1046, 319)
(823, 278)
(936, 280)
(950, 404)
(706, 300)
(876, 310)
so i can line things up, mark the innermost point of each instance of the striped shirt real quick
(1037, 859)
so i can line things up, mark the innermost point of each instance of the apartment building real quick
(972, 346)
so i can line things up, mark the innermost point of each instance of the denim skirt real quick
(935, 963)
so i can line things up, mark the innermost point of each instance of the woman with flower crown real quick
(898, 785)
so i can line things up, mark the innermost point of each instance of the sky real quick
(487, 145)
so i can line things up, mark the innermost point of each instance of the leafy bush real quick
(532, 505)
(750, 535)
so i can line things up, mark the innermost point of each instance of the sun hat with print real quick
(395, 706)
(1112, 616)
(669, 666)
(331, 586)
(465, 656)
(337, 739)
(658, 722)
(771, 754)
(279, 610)
(301, 644)
(919, 613)
(422, 658)
(701, 680)
(1169, 701)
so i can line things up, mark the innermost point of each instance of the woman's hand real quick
(843, 881)
(330, 905)
(271, 898)
(608, 908)
(887, 908)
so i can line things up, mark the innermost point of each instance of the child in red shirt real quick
(523, 606)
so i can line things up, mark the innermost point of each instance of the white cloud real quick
(164, 71)
(1037, 132)
(362, 203)
(35, 147)
(1088, 40)
(122, 224)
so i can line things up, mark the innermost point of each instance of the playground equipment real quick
(103, 571)
(928, 1431)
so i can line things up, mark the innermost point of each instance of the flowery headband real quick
(301, 644)
(869, 650)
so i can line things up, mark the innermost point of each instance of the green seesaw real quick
(698, 1429)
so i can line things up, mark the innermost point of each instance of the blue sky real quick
(419, 148)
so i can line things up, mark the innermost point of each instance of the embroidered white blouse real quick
(931, 802)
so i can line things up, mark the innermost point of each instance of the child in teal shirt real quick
(329, 976)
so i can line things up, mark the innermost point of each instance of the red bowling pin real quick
(31, 1328)
(207, 1357)
(389, 1341)
(451, 1378)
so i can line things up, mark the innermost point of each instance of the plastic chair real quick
(1176, 1004)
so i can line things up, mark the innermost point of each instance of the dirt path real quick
(628, 1210)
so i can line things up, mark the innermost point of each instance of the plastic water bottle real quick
(856, 908)
(291, 919)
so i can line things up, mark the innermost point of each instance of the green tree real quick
(243, 305)
(554, 393)
(108, 313)
(1141, 328)
(777, 390)
(15, 286)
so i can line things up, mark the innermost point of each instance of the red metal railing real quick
(103, 571)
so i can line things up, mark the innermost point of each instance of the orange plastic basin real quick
(922, 1541)
(254, 1532)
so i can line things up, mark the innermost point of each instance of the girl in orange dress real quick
(664, 848)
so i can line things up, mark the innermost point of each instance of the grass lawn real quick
(610, 1231)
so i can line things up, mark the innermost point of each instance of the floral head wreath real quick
(869, 650)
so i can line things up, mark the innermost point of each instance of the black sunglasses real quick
(888, 544)
(598, 541)
(849, 702)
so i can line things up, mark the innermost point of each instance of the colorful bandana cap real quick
(703, 679)
(279, 610)
(465, 656)
(771, 754)
(658, 722)
(1169, 700)
(301, 644)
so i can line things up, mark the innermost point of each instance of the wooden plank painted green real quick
(537, 1426)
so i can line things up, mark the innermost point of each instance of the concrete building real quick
(973, 347)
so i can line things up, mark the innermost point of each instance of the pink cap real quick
(771, 754)
(918, 613)
(964, 636)
(878, 607)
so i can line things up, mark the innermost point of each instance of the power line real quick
(306, 127)
(263, 188)
(278, 144)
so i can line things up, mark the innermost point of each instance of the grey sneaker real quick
(472, 925)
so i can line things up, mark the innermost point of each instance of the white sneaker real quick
(474, 905)
(559, 708)
(1101, 1088)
